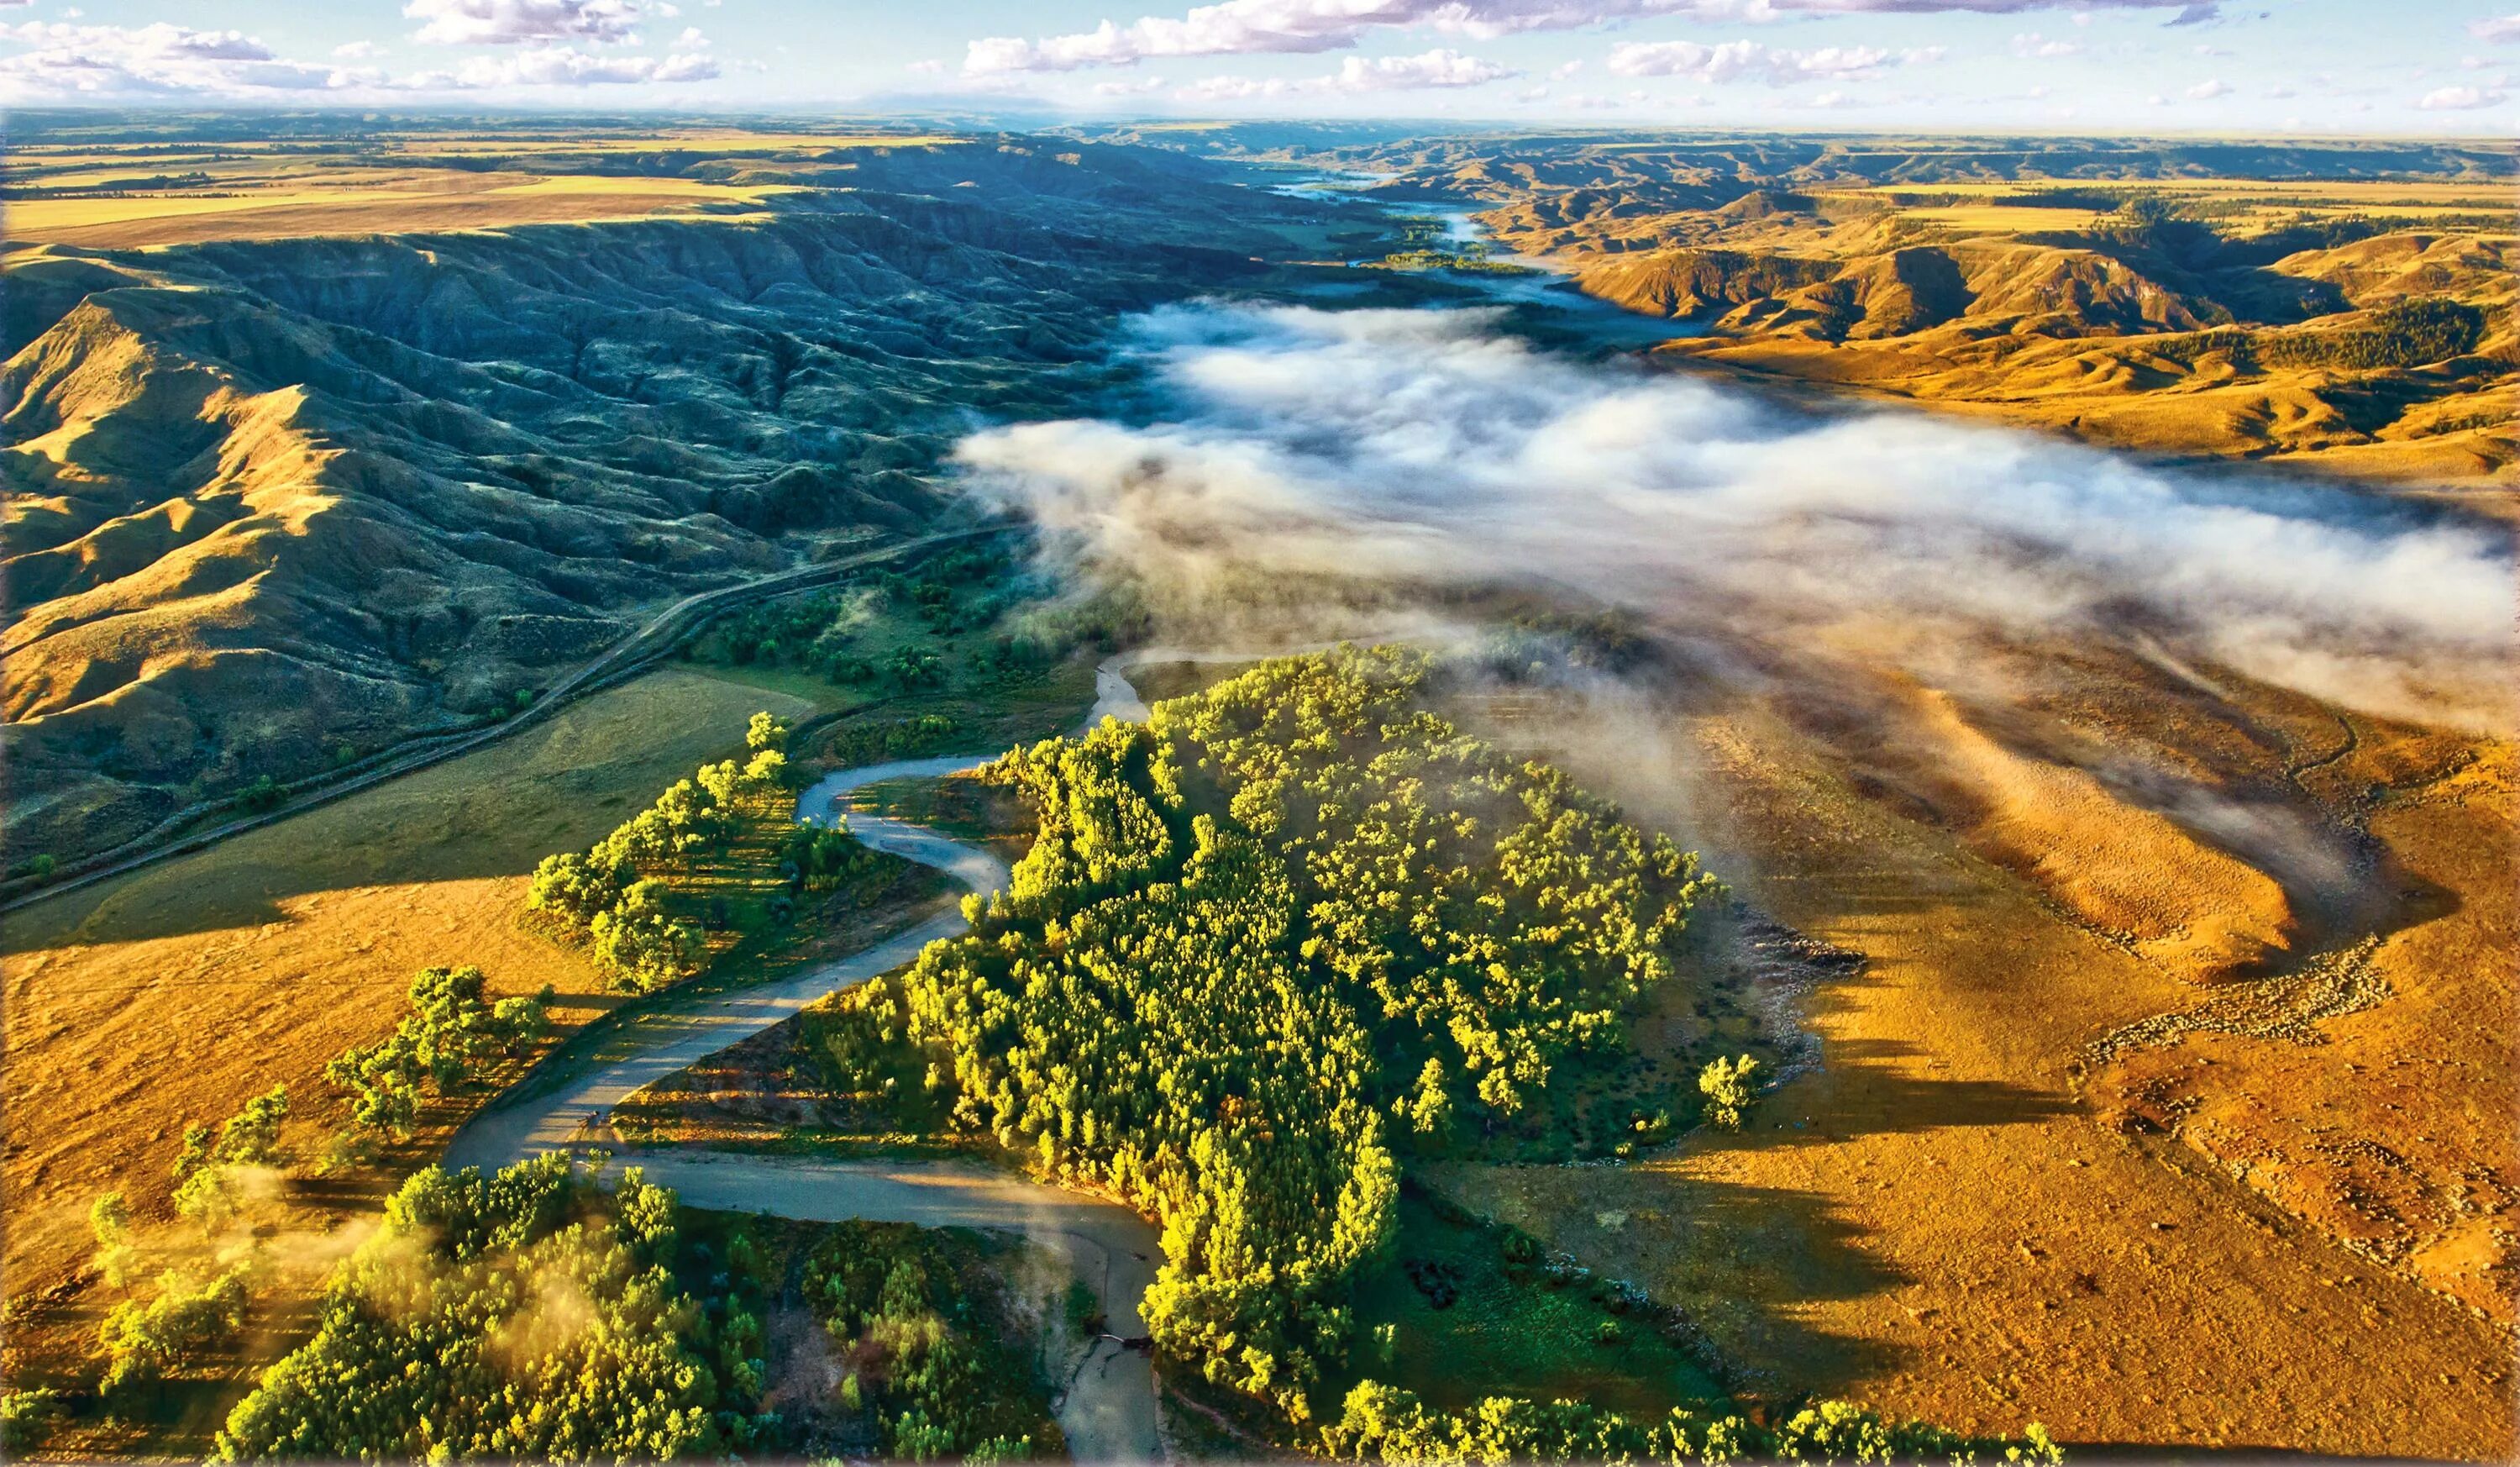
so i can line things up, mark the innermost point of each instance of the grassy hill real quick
(278, 503)
(2185, 295)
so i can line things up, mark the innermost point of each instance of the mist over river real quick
(1433, 449)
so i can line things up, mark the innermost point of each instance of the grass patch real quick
(1467, 1310)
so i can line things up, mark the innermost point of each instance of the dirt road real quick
(1107, 1408)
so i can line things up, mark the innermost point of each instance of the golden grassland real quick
(2262, 1236)
(146, 194)
(407, 202)
(171, 995)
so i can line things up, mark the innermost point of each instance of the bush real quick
(27, 1419)
(939, 1369)
(1727, 1087)
(2409, 333)
(1382, 1423)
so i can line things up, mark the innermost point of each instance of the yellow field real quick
(732, 144)
(366, 203)
(2001, 219)
(163, 194)
(1948, 1220)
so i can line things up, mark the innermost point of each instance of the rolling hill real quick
(278, 503)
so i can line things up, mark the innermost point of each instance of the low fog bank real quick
(1423, 452)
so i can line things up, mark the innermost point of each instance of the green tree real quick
(447, 1039)
(1250, 932)
(142, 1341)
(530, 1315)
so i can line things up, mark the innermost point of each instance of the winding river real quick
(1108, 1406)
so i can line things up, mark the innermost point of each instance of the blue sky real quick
(2315, 67)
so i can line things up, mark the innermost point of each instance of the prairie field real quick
(168, 995)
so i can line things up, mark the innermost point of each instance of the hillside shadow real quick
(1872, 1098)
(1737, 1265)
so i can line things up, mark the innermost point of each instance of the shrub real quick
(1727, 1087)
(27, 1419)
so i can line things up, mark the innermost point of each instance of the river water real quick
(1545, 297)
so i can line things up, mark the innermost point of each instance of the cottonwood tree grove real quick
(1265, 942)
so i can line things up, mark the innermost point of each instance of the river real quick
(1541, 289)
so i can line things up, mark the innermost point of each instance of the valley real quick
(2170, 296)
(2010, 638)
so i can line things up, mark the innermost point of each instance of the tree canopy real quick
(531, 1314)
(1261, 941)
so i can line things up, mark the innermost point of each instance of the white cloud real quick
(358, 50)
(928, 68)
(2033, 44)
(1234, 89)
(512, 22)
(1733, 61)
(64, 60)
(691, 39)
(2209, 89)
(1137, 88)
(2459, 99)
(1441, 67)
(563, 65)
(2501, 29)
(1563, 72)
(1306, 26)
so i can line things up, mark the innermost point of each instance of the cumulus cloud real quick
(1437, 69)
(66, 60)
(2032, 44)
(1733, 61)
(1306, 26)
(2209, 89)
(1421, 449)
(564, 65)
(2499, 29)
(518, 22)
(2459, 99)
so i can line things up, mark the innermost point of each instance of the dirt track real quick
(1107, 1410)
